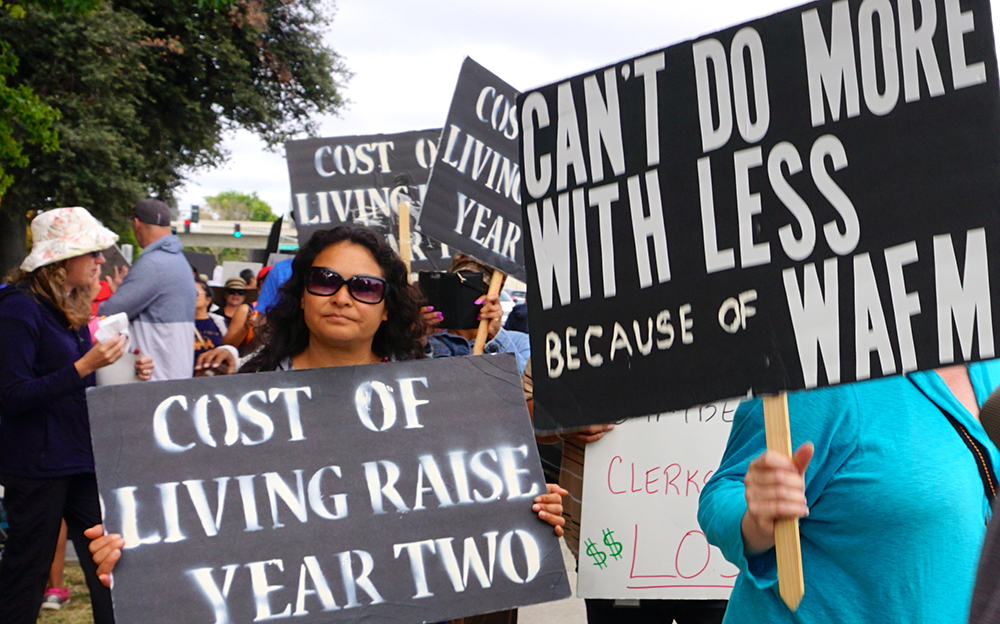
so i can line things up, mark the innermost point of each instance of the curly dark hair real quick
(285, 333)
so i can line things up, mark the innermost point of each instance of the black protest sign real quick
(363, 179)
(803, 200)
(473, 201)
(386, 493)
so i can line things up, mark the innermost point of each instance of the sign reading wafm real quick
(385, 493)
(473, 200)
(803, 200)
(363, 179)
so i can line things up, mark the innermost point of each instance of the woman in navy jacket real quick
(48, 361)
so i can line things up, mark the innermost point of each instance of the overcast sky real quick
(406, 57)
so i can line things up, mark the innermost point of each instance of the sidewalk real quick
(568, 611)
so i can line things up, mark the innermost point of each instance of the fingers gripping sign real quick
(549, 507)
(775, 490)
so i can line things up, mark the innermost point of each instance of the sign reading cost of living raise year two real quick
(806, 199)
(473, 200)
(397, 492)
(363, 179)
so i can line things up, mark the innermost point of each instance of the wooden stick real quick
(484, 325)
(788, 549)
(404, 235)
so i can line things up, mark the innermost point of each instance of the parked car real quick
(519, 296)
(507, 303)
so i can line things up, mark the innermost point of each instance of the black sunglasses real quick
(324, 282)
(96, 254)
(233, 291)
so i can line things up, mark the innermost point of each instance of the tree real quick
(236, 206)
(146, 89)
(25, 119)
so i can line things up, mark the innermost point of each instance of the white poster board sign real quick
(232, 268)
(639, 533)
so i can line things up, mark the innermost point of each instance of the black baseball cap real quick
(152, 211)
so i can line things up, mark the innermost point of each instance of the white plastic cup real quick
(122, 371)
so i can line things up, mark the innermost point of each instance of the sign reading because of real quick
(386, 493)
(639, 535)
(807, 199)
(363, 179)
(473, 201)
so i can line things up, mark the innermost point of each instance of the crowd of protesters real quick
(51, 307)
(882, 538)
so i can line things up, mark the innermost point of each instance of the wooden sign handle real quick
(404, 234)
(788, 548)
(484, 325)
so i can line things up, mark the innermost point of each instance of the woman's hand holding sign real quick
(217, 361)
(550, 509)
(775, 489)
(106, 550)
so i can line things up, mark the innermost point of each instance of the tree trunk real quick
(12, 238)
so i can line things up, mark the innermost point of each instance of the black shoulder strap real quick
(989, 416)
(978, 450)
(980, 454)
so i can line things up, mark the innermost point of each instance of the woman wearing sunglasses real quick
(348, 302)
(234, 298)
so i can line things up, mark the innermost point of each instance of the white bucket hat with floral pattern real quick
(64, 233)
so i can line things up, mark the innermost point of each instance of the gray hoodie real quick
(158, 295)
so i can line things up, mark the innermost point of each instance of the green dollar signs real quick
(598, 555)
(613, 546)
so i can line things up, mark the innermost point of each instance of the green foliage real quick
(147, 89)
(75, 7)
(236, 206)
(24, 118)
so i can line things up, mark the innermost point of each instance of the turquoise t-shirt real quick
(897, 509)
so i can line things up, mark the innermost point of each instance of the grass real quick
(78, 609)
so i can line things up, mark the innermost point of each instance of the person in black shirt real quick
(209, 328)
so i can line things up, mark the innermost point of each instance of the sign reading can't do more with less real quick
(394, 492)
(803, 200)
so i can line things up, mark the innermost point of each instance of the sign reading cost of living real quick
(807, 199)
(363, 179)
(474, 193)
(398, 492)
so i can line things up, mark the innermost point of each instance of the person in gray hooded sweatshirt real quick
(158, 294)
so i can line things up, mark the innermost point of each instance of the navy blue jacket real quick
(44, 426)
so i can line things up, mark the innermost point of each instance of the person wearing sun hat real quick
(233, 295)
(48, 361)
(158, 293)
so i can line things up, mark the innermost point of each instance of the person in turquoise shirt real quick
(892, 505)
